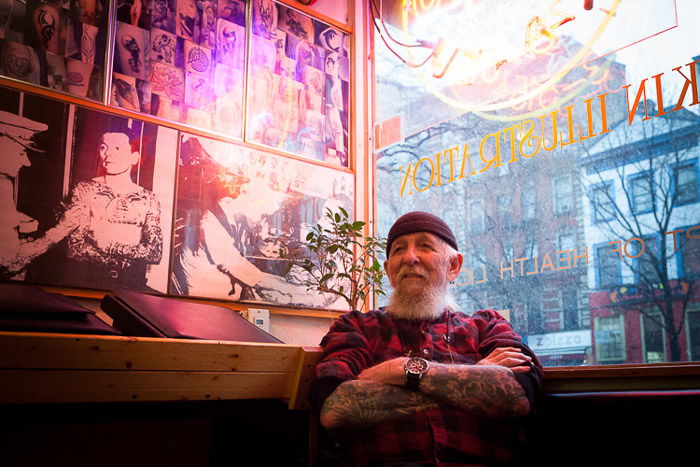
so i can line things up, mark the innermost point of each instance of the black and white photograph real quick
(236, 207)
(31, 180)
(95, 213)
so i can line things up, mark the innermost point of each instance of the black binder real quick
(24, 307)
(140, 314)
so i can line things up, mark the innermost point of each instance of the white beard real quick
(429, 304)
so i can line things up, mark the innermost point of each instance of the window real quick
(642, 193)
(603, 202)
(689, 252)
(654, 345)
(693, 324)
(569, 303)
(685, 179)
(535, 323)
(645, 264)
(566, 241)
(607, 267)
(610, 339)
(523, 126)
(563, 195)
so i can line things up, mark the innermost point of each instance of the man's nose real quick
(410, 256)
(24, 159)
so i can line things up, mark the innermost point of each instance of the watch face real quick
(416, 366)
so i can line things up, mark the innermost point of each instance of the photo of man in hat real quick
(18, 243)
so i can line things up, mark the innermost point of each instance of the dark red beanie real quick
(419, 221)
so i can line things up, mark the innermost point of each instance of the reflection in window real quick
(642, 194)
(610, 339)
(689, 254)
(694, 335)
(528, 201)
(569, 303)
(645, 263)
(476, 217)
(563, 195)
(603, 202)
(565, 241)
(654, 348)
(607, 267)
(685, 178)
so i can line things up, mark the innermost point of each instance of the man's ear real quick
(135, 158)
(455, 266)
(386, 269)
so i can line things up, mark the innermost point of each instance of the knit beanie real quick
(418, 221)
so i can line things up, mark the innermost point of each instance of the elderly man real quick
(420, 383)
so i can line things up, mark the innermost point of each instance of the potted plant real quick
(338, 259)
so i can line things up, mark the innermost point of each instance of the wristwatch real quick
(415, 367)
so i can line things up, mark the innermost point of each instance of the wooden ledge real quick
(58, 368)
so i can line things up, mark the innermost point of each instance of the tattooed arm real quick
(360, 403)
(489, 391)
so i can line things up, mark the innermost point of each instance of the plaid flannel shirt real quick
(440, 436)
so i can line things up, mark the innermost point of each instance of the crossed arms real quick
(488, 389)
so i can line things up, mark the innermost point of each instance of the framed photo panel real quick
(55, 44)
(183, 61)
(235, 207)
(92, 206)
(299, 84)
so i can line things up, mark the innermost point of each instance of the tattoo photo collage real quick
(186, 61)
(100, 201)
(59, 45)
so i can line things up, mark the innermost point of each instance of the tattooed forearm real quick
(485, 391)
(360, 403)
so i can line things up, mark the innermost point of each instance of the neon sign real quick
(493, 56)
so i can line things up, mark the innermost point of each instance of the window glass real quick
(689, 254)
(610, 339)
(608, 268)
(686, 179)
(642, 194)
(603, 202)
(561, 144)
(654, 348)
(694, 334)
(563, 195)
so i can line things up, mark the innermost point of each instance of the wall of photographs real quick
(89, 201)
(189, 61)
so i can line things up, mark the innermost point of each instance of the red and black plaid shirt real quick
(440, 436)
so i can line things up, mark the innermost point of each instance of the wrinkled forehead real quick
(416, 237)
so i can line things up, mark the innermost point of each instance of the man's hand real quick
(509, 357)
(389, 372)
